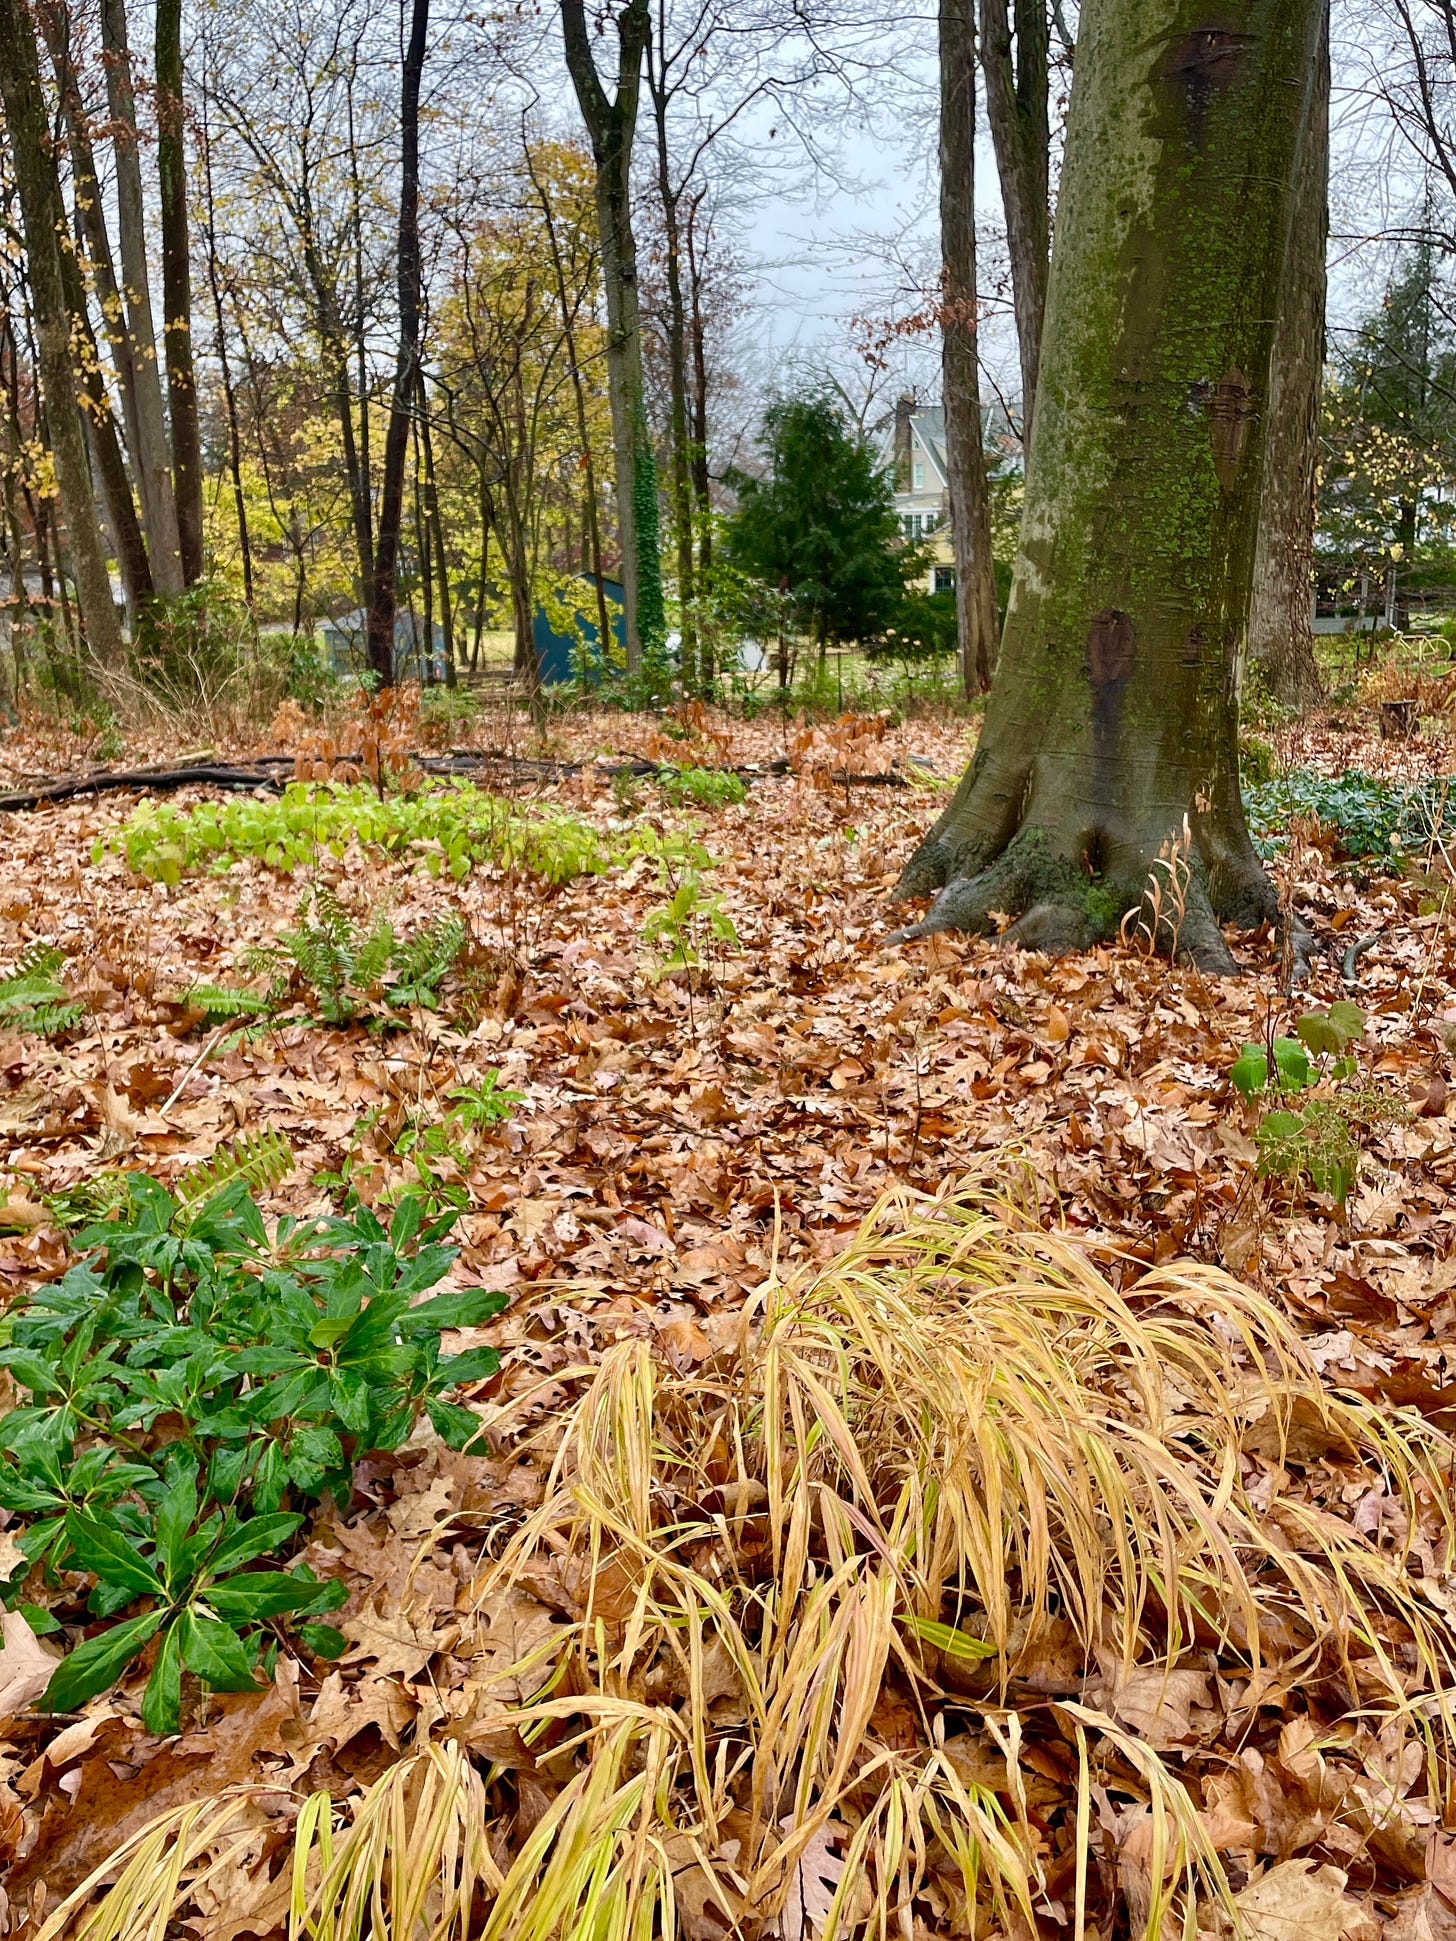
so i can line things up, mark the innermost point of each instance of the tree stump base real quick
(1399, 719)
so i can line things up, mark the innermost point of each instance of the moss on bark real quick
(1114, 710)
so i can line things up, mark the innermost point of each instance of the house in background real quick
(346, 642)
(913, 451)
(915, 454)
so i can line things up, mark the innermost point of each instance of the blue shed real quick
(563, 656)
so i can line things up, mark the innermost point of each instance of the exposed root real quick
(1058, 908)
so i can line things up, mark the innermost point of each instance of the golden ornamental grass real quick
(956, 1442)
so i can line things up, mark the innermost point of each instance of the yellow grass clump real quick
(946, 1496)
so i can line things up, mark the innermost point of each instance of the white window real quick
(919, 475)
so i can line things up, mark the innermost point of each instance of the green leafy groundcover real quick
(194, 1388)
(451, 827)
(1374, 817)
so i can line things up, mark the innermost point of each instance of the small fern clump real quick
(344, 964)
(33, 998)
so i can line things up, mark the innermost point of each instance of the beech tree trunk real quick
(407, 361)
(611, 127)
(32, 159)
(177, 290)
(1281, 640)
(150, 455)
(1113, 714)
(965, 453)
(1016, 66)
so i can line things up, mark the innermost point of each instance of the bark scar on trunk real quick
(1230, 418)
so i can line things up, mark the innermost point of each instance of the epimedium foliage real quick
(451, 829)
(821, 525)
(194, 1387)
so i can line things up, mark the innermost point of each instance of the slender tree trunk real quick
(230, 398)
(1017, 89)
(677, 362)
(150, 453)
(611, 127)
(1113, 715)
(435, 526)
(1281, 639)
(91, 220)
(407, 363)
(32, 159)
(109, 465)
(965, 452)
(583, 430)
(702, 499)
(177, 289)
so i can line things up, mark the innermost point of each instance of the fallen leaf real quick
(1300, 1901)
(26, 1664)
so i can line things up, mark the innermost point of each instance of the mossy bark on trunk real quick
(1113, 714)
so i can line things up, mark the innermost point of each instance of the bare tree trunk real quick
(583, 430)
(230, 398)
(1281, 640)
(177, 289)
(611, 126)
(91, 224)
(702, 498)
(32, 157)
(435, 526)
(407, 362)
(677, 360)
(103, 443)
(150, 452)
(965, 453)
(1017, 88)
(1112, 723)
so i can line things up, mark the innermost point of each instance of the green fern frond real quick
(226, 1001)
(33, 998)
(90, 1200)
(418, 967)
(264, 1159)
(372, 955)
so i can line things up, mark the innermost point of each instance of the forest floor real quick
(676, 1143)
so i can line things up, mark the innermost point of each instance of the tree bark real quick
(150, 453)
(1017, 87)
(1113, 715)
(434, 525)
(702, 494)
(677, 361)
(611, 126)
(229, 391)
(407, 362)
(109, 466)
(32, 159)
(177, 290)
(1281, 641)
(965, 454)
